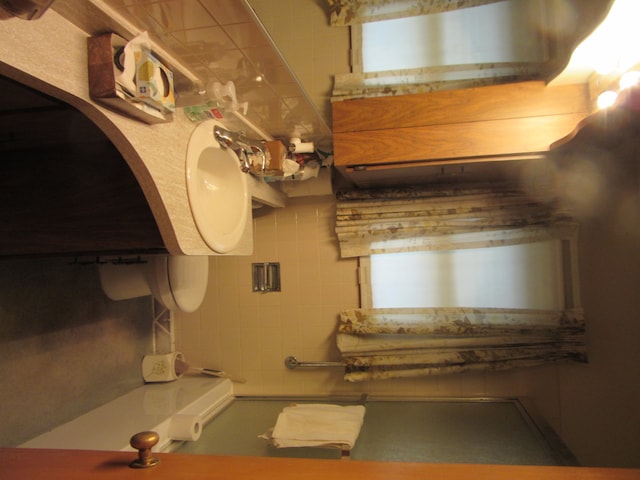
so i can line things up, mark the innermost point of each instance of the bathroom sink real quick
(217, 190)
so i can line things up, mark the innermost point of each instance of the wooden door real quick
(482, 124)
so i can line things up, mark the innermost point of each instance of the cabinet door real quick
(473, 124)
(65, 189)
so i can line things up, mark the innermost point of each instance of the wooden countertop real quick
(50, 55)
(22, 464)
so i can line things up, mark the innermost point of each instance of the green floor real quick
(406, 431)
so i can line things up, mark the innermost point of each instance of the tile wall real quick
(250, 334)
(313, 49)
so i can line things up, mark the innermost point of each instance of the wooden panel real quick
(459, 140)
(27, 464)
(80, 199)
(517, 100)
(48, 127)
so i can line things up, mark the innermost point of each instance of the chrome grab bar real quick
(292, 363)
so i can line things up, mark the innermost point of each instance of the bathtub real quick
(153, 406)
(480, 431)
(484, 431)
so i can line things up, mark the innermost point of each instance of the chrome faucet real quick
(245, 148)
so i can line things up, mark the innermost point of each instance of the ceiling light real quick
(607, 99)
(610, 49)
(629, 79)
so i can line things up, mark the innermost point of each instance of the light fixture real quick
(611, 47)
(607, 99)
(629, 79)
(602, 59)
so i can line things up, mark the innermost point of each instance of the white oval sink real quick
(217, 189)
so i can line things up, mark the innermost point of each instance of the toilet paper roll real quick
(297, 146)
(185, 427)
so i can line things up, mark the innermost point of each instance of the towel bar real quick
(292, 363)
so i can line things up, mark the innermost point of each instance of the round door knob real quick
(143, 442)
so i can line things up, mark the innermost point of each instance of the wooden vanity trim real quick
(22, 464)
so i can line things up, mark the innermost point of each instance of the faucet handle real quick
(243, 147)
(245, 162)
(223, 137)
(264, 155)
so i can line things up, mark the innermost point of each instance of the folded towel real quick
(318, 425)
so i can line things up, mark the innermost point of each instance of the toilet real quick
(177, 282)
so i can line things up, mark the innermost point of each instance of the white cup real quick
(161, 367)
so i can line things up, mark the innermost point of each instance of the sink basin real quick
(217, 190)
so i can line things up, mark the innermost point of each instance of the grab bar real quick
(292, 363)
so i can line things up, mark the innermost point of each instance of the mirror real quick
(316, 51)
(593, 407)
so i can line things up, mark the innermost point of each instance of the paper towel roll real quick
(298, 146)
(185, 427)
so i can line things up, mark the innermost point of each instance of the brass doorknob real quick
(143, 442)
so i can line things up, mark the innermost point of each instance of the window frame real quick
(569, 270)
(357, 45)
(355, 53)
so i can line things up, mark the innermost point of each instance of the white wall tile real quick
(256, 331)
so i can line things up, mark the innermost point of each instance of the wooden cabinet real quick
(500, 122)
(64, 187)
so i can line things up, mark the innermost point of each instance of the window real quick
(528, 276)
(476, 42)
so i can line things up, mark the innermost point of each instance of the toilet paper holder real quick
(266, 277)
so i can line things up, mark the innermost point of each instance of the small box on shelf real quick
(108, 86)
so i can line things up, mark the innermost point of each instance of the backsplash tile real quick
(222, 40)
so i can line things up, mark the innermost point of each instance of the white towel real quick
(318, 425)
